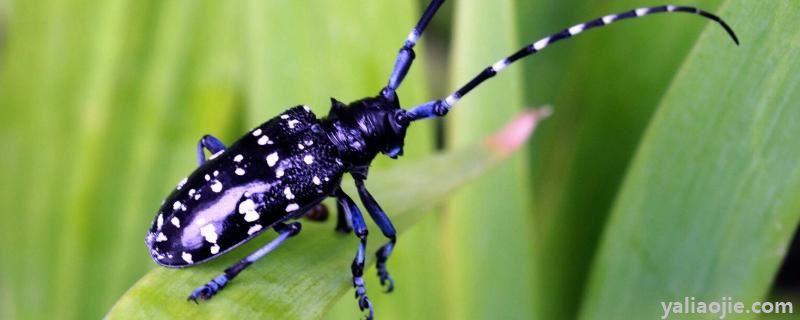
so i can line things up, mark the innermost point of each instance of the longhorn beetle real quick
(289, 164)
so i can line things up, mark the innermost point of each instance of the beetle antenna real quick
(441, 107)
(406, 55)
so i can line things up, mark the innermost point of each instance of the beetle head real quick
(368, 126)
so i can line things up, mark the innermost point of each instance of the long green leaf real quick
(605, 85)
(305, 277)
(486, 229)
(711, 199)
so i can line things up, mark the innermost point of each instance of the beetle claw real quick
(203, 293)
(386, 281)
(364, 303)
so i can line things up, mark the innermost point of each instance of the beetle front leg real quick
(383, 222)
(357, 268)
(211, 288)
(212, 144)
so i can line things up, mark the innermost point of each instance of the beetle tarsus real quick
(208, 290)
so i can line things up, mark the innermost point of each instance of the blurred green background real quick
(669, 169)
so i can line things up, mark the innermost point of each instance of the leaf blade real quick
(734, 208)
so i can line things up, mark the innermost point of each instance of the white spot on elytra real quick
(316, 180)
(246, 205)
(187, 257)
(288, 193)
(159, 221)
(215, 249)
(263, 140)
(309, 142)
(197, 196)
(306, 108)
(279, 173)
(239, 172)
(176, 222)
(208, 178)
(300, 146)
(257, 132)
(272, 158)
(251, 216)
(326, 179)
(180, 184)
(191, 192)
(209, 232)
(308, 159)
(238, 158)
(216, 186)
(161, 237)
(292, 123)
(176, 205)
(292, 207)
(284, 116)
(248, 208)
(216, 173)
(254, 229)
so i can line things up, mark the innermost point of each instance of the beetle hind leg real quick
(211, 288)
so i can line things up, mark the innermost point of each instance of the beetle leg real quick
(357, 268)
(383, 222)
(211, 288)
(212, 144)
(342, 219)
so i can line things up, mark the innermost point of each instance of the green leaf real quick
(307, 275)
(485, 233)
(605, 85)
(710, 201)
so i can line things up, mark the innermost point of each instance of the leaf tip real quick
(517, 131)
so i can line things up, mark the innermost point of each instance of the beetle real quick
(288, 165)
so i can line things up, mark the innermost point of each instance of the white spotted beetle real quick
(289, 164)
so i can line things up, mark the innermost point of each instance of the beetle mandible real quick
(289, 164)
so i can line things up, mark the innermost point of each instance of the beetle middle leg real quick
(212, 144)
(211, 288)
(357, 268)
(383, 222)
(343, 224)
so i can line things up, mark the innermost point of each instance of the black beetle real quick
(289, 164)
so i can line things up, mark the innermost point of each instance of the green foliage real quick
(667, 170)
(721, 225)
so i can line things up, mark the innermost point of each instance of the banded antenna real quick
(438, 108)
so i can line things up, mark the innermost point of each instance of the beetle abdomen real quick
(275, 172)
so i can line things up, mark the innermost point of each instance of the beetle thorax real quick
(366, 127)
